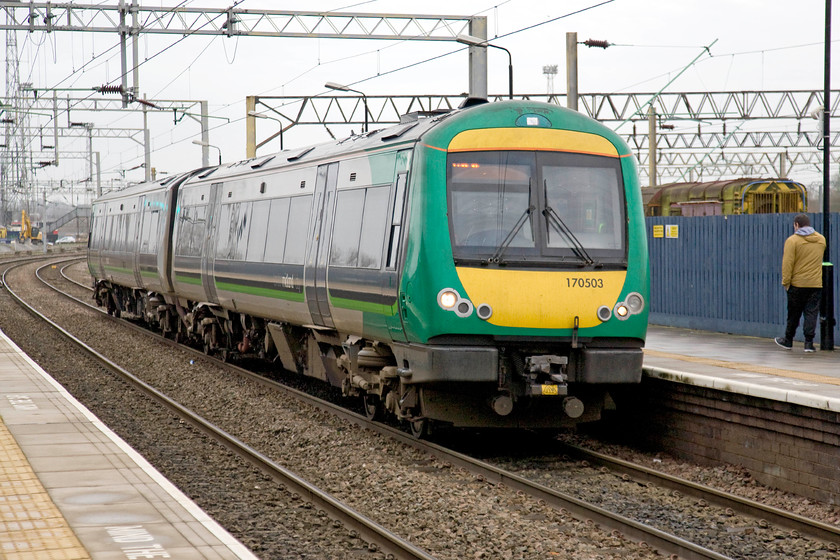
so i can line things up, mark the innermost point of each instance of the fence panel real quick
(723, 273)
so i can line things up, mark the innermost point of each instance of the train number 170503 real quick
(585, 282)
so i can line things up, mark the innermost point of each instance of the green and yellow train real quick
(486, 267)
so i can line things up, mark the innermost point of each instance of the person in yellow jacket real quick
(802, 278)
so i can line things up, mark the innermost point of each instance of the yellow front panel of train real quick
(542, 299)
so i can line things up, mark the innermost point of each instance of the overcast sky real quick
(755, 45)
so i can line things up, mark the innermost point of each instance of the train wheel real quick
(373, 407)
(419, 428)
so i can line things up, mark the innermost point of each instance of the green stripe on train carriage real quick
(365, 306)
(119, 269)
(262, 292)
(194, 280)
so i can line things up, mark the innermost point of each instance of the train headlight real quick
(635, 303)
(447, 298)
(621, 311)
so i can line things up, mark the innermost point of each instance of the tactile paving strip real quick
(31, 527)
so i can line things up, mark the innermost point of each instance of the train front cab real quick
(527, 286)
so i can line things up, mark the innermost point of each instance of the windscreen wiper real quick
(576, 246)
(509, 237)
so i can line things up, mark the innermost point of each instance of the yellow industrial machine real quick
(27, 232)
(738, 196)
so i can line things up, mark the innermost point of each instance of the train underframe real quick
(517, 384)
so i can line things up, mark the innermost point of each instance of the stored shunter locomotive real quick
(484, 267)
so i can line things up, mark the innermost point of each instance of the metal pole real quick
(250, 127)
(123, 55)
(90, 153)
(135, 47)
(571, 71)
(98, 176)
(651, 146)
(827, 321)
(147, 149)
(205, 135)
(55, 126)
(478, 59)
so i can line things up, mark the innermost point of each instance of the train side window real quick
(298, 226)
(259, 227)
(131, 232)
(396, 221)
(278, 221)
(183, 231)
(373, 227)
(347, 229)
(243, 230)
(153, 236)
(197, 231)
(224, 249)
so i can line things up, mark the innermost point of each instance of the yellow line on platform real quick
(31, 527)
(741, 366)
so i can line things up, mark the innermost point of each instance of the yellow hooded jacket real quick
(802, 259)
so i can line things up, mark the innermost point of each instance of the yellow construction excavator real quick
(27, 232)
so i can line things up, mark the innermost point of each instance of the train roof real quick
(411, 128)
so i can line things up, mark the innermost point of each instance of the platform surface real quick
(71, 489)
(744, 364)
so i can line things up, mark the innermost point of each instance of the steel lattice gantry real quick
(757, 132)
(131, 20)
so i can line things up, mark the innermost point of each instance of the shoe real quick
(809, 347)
(783, 342)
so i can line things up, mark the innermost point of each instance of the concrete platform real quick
(743, 364)
(70, 488)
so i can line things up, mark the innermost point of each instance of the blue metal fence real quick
(723, 273)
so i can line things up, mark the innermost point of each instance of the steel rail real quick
(668, 544)
(368, 529)
(745, 506)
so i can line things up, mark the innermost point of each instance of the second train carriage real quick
(486, 267)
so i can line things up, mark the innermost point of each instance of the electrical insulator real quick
(110, 89)
(596, 43)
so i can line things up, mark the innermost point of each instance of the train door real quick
(315, 272)
(208, 261)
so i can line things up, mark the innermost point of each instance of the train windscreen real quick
(536, 207)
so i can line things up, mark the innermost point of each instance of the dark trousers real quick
(802, 301)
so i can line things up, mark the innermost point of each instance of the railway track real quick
(566, 504)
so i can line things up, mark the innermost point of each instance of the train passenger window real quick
(131, 232)
(190, 231)
(182, 231)
(259, 227)
(223, 244)
(242, 228)
(275, 239)
(296, 233)
(373, 227)
(348, 226)
(148, 236)
(152, 236)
